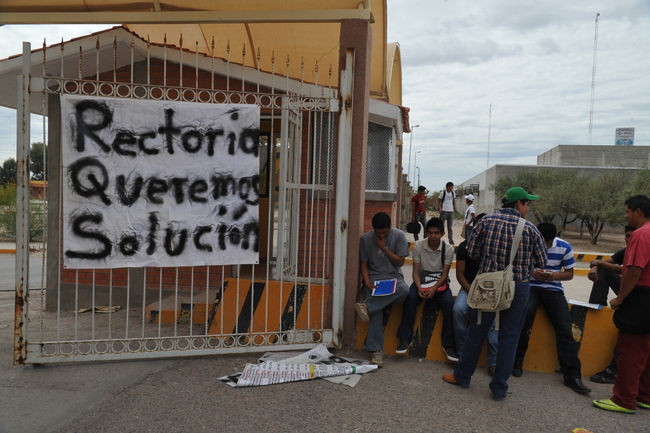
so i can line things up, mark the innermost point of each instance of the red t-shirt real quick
(637, 254)
(419, 201)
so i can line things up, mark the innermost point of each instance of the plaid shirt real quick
(491, 240)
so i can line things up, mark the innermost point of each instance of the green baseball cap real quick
(517, 193)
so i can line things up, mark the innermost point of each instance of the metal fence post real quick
(341, 212)
(22, 209)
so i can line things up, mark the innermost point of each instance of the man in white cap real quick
(470, 215)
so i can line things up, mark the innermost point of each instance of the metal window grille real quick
(379, 162)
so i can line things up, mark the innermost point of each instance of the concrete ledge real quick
(593, 330)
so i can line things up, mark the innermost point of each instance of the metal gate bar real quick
(297, 308)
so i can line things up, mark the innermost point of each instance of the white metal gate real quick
(285, 302)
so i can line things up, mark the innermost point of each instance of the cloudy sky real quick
(532, 60)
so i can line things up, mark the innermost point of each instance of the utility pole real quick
(593, 78)
(487, 163)
(408, 173)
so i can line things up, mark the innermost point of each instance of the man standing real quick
(631, 306)
(419, 210)
(447, 206)
(381, 252)
(491, 241)
(470, 215)
(466, 270)
(546, 289)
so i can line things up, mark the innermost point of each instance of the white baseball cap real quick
(469, 197)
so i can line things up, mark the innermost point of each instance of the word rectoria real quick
(159, 183)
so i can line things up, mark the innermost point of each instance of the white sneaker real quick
(362, 310)
(377, 358)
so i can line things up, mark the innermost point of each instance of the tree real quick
(36, 153)
(535, 182)
(8, 172)
(639, 184)
(600, 202)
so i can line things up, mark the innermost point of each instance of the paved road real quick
(8, 270)
(183, 395)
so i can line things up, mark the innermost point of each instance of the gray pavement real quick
(184, 395)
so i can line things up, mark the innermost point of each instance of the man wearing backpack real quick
(491, 242)
(432, 259)
(419, 210)
(447, 207)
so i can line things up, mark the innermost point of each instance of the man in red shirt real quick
(631, 316)
(418, 206)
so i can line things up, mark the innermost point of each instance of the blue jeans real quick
(557, 310)
(511, 321)
(442, 299)
(448, 217)
(421, 217)
(459, 312)
(375, 306)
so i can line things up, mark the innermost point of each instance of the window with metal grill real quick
(379, 160)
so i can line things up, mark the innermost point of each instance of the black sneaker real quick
(403, 347)
(605, 376)
(451, 354)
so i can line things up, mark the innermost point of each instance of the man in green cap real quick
(490, 243)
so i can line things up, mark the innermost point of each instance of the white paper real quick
(175, 183)
(585, 304)
(281, 367)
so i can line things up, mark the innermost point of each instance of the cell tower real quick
(593, 78)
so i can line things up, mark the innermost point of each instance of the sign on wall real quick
(624, 137)
(159, 183)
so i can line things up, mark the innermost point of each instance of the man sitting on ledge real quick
(381, 252)
(546, 289)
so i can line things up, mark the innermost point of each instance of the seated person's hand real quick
(593, 274)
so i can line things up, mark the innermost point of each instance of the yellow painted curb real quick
(596, 336)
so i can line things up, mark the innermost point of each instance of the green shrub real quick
(8, 225)
(8, 195)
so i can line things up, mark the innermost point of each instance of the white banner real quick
(159, 183)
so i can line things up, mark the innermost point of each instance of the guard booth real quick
(279, 282)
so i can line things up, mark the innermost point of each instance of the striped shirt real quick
(492, 238)
(560, 255)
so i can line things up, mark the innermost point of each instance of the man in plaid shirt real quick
(490, 243)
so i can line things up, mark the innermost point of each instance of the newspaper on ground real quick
(282, 367)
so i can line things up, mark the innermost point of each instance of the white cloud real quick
(533, 62)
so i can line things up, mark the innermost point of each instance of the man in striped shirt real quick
(546, 289)
(490, 243)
